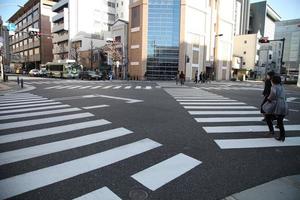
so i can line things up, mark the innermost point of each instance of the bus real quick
(63, 70)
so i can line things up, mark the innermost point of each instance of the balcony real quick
(57, 49)
(59, 5)
(57, 28)
(57, 17)
(60, 38)
(35, 57)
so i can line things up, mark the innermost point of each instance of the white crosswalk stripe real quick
(33, 109)
(96, 87)
(40, 113)
(30, 105)
(117, 87)
(21, 100)
(138, 87)
(24, 103)
(103, 193)
(102, 87)
(97, 106)
(44, 120)
(127, 87)
(207, 107)
(160, 174)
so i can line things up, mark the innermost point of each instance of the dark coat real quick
(267, 89)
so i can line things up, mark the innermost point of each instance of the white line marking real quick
(39, 178)
(23, 99)
(229, 119)
(117, 87)
(212, 103)
(238, 112)
(41, 113)
(127, 87)
(257, 143)
(220, 107)
(103, 193)
(209, 100)
(24, 103)
(51, 131)
(97, 106)
(138, 87)
(47, 120)
(73, 87)
(31, 105)
(53, 87)
(121, 98)
(44, 149)
(96, 87)
(203, 97)
(157, 87)
(148, 87)
(247, 129)
(107, 87)
(160, 174)
(33, 109)
(84, 87)
(64, 87)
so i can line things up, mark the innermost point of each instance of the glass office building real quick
(163, 39)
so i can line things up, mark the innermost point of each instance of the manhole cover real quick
(138, 194)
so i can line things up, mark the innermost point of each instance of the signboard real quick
(11, 27)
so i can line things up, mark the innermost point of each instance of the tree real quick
(75, 50)
(91, 54)
(114, 51)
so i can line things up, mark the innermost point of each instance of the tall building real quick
(262, 19)
(4, 45)
(241, 16)
(80, 28)
(29, 52)
(290, 30)
(186, 35)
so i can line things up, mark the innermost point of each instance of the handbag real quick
(269, 107)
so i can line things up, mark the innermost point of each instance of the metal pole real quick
(281, 59)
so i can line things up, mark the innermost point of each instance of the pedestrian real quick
(196, 77)
(201, 77)
(204, 77)
(182, 78)
(276, 107)
(177, 77)
(267, 90)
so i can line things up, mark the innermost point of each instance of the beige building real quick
(181, 35)
(246, 48)
(30, 52)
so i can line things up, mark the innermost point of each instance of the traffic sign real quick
(11, 27)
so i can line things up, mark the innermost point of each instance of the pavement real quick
(142, 128)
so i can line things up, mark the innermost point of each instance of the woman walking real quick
(276, 107)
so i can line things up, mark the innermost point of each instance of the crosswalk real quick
(224, 87)
(21, 129)
(101, 87)
(227, 117)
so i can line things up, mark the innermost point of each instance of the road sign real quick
(11, 27)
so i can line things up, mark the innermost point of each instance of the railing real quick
(59, 5)
(57, 27)
(58, 17)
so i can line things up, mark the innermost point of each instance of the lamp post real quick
(215, 56)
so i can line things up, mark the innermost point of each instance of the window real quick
(111, 17)
(37, 51)
(118, 38)
(117, 5)
(77, 44)
(25, 53)
(245, 52)
(36, 25)
(35, 13)
(245, 41)
(31, 52)
(195, 57)
(244, 63)
(25, 42)
(111, 4)
(135, 17)
(224, 62)
(122, 3)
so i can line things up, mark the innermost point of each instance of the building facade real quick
(262, 19)
(290, 30)
(245, 47)
(29, 52)
(75, 37)
(4, 45)
(182, 35)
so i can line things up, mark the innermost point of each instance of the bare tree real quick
(75, 51)
(114, 51)
(91, 54)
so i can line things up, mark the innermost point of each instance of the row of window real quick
(30, 52)
(29, 18)
(24, 43)
(24, 32)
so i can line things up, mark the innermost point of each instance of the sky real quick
(287, 9)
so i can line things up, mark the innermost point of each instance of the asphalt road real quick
(149, 145)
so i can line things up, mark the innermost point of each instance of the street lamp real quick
(215, 57)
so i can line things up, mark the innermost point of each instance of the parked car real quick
(43, 72)
(90, 75)
(34, 72)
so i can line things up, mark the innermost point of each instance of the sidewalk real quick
(285, 188)
(13, 87)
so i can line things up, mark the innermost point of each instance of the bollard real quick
(21, 83)
(18, 80)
